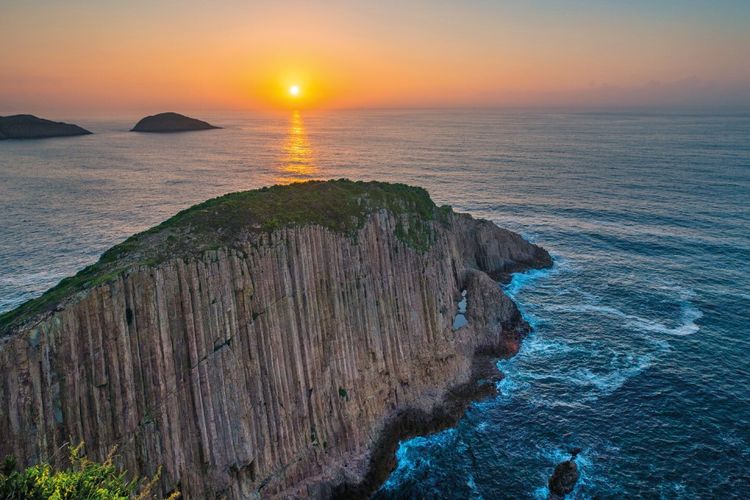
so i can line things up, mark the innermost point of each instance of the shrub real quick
(84, 479)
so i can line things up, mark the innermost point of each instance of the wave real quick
(413, 456)
(523, 280)
(608, 383)
(603, 375)
(473, 486)
(689, 314)
(536, 350)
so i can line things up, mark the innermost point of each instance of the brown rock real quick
(284, 365)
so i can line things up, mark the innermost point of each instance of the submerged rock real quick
(269, 343)
(564, 477)
(31, 127)
(170, 122)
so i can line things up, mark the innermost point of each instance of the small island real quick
(171, 122)
(32, 127)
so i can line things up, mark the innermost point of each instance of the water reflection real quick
(297, 164)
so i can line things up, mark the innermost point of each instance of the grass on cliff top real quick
(340, 205)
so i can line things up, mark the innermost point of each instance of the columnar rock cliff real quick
(266, 360)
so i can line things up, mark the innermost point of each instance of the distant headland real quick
(171, 122)
(31, 127)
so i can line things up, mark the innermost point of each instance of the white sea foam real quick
(411, 455)
(522, 280)
(597, 379)
(688, 316)
(607, 383)
(473, 487)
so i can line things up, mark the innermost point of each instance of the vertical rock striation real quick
(271, 366)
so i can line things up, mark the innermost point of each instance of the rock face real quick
(275, 364)
(31, 127)
(170, 122)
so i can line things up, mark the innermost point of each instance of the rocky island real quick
(268, 343)
(170, 122)
(31, 127)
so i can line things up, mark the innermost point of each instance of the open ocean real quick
(640, 353)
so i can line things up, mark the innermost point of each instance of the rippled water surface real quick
(640, 353)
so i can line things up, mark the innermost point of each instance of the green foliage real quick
(339, 205)
(85, 479)
(343, 394)
(9, 465)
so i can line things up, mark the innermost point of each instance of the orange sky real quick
(88, 56)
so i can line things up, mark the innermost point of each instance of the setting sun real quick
(325, 229)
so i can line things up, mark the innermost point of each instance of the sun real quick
(294, 90)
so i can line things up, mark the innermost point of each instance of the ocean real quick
(640, 349)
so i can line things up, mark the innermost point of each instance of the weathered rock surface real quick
(31, 127)
(170, 122)
(280, 364)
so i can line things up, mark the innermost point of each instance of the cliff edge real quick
(269, 343)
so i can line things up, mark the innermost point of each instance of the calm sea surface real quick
(640, 353)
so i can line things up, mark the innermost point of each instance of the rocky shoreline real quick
(272, 343)
(410, 423)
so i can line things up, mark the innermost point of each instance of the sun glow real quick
(298, 162)
(278, 87)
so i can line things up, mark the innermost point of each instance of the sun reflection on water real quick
(297, 164)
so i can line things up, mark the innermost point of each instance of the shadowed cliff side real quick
(266, 343)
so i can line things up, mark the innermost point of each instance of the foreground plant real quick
(83, 479)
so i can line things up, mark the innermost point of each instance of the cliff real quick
(271, 343)
(170, 122)
(31, 127)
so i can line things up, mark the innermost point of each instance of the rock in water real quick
(263, 343)
(31, 127)
(170, 122)
(563, 479)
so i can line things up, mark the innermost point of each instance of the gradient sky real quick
(76, 56)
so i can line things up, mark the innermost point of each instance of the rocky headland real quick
(268, 343)
(31, 127)
(170, 122)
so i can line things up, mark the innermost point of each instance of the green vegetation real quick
(343, 394)
(84, 479)
(340, 205)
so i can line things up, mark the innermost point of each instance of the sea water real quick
(640, 350)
